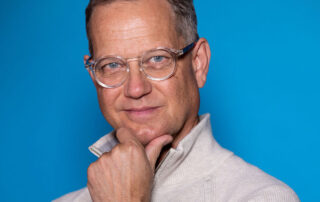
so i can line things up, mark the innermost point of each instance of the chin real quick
(146, 134)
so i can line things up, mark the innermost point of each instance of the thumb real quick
(154, 148)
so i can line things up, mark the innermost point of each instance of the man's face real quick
(149, 108)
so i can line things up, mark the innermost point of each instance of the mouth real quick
(141, 113)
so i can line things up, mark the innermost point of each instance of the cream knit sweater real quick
(200, 170)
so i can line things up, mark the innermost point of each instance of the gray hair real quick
(185, 23)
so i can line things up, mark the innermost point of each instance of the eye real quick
(156, 59)
(112, 65)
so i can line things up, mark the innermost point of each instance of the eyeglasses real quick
(157, 64)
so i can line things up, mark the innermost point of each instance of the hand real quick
(126, 172)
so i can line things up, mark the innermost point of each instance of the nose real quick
(137, 85)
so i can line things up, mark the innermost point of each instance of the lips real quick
(140, 109)
(141, 113)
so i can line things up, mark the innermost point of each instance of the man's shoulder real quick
(249, 183)
(82, 195)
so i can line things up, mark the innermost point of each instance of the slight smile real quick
(141, 113)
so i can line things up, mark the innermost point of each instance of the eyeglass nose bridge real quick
(141, 68)
(144, 75)
(128, 60)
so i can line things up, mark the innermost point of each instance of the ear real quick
(200, 60)
(85, 58)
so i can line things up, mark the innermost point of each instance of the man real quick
(147, 65)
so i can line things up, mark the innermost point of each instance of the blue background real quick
(262, 92)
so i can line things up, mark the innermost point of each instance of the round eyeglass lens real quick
(111, 71)
(158, 64)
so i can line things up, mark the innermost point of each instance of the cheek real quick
(186, 88)
(107, 102)
(177, 92)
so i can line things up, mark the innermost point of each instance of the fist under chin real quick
(145, 137)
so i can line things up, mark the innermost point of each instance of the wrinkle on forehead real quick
(133, 29)
(129, 24)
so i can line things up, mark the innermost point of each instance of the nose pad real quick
(137, 63)
(142, 71)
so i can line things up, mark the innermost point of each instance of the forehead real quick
(130, 27)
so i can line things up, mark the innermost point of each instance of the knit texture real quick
(200, 170)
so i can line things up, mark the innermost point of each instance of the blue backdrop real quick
(262, 92)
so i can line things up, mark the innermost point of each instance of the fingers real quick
(154, 148)
(125, 135)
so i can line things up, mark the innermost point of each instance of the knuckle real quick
(133, 147)
(103, 158)
(116, 149)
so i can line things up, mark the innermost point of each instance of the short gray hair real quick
(186, 19)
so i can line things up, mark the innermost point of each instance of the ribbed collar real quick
(190, 156)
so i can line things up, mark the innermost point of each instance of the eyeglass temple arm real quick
(88, 63)
(189, 47)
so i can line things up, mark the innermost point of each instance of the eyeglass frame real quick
(90, 64)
